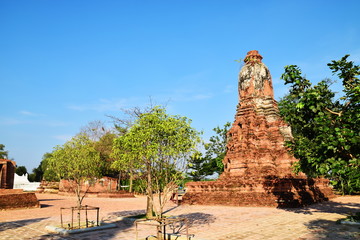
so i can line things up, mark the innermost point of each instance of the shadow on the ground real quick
(48, 200)
(20, 223)
(326, 229)
(198, 218)
(122, 226)
(327, 207)
(45, 205)
(125, 214)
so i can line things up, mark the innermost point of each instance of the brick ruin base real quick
(265, 192)
(16, 198)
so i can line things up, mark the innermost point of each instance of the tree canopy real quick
(3, 153)
(76, 161)
(203, 165)
(326, 130)
(21, 170)
(156, 145)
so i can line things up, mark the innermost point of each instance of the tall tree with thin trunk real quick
(157, 144)
(78, 162)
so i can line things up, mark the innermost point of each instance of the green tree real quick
(157, 143)
(3, 153)
(49, 173)
(104, 147)
(37, 174)
(202, 165)
(326, 131)
(216, 148)
(199, 167)
(21, 170)
(129, 171)
(78, 162)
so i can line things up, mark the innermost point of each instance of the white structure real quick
(22, 182)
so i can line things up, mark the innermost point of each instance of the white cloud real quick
(202, 96)
(230, 88)
(189, 96)
(14, 121)
(11, 121)
(102, 105)
(63, 138)
(195, 77)
(28, 113)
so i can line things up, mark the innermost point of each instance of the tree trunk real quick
(131, 181)
(118, 187)
(78, 192)
(149, 193)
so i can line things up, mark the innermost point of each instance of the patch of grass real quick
(353, 218)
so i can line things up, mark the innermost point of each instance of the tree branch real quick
(339, 114)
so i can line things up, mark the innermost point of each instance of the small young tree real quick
(157, 145)
(78, 162)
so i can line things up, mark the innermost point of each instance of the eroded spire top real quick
(253, 57)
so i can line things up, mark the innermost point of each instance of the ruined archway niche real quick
(258, 167)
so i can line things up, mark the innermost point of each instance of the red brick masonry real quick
(257, 165)
(16, 198)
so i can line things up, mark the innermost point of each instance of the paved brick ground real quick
(315, 222)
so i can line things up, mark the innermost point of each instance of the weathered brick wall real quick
(103, 185)
(275, 192)
(7, 168)
(18, 200)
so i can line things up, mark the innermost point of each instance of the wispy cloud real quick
(28, 113)
(198, 76)
(202, 96)
(101, 105)
(11, 121)
(63, 137)
(15, 121)
(189, 96)
(230, 88)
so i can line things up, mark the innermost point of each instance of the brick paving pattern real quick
(314, 222)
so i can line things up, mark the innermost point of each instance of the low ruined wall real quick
(275, 192)
(16, 199)
(118, 194)
(103, 185)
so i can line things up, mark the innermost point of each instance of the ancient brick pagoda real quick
(257, 164)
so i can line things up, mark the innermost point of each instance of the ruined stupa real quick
(257, 165)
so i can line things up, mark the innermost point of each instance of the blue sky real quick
(66, 63)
